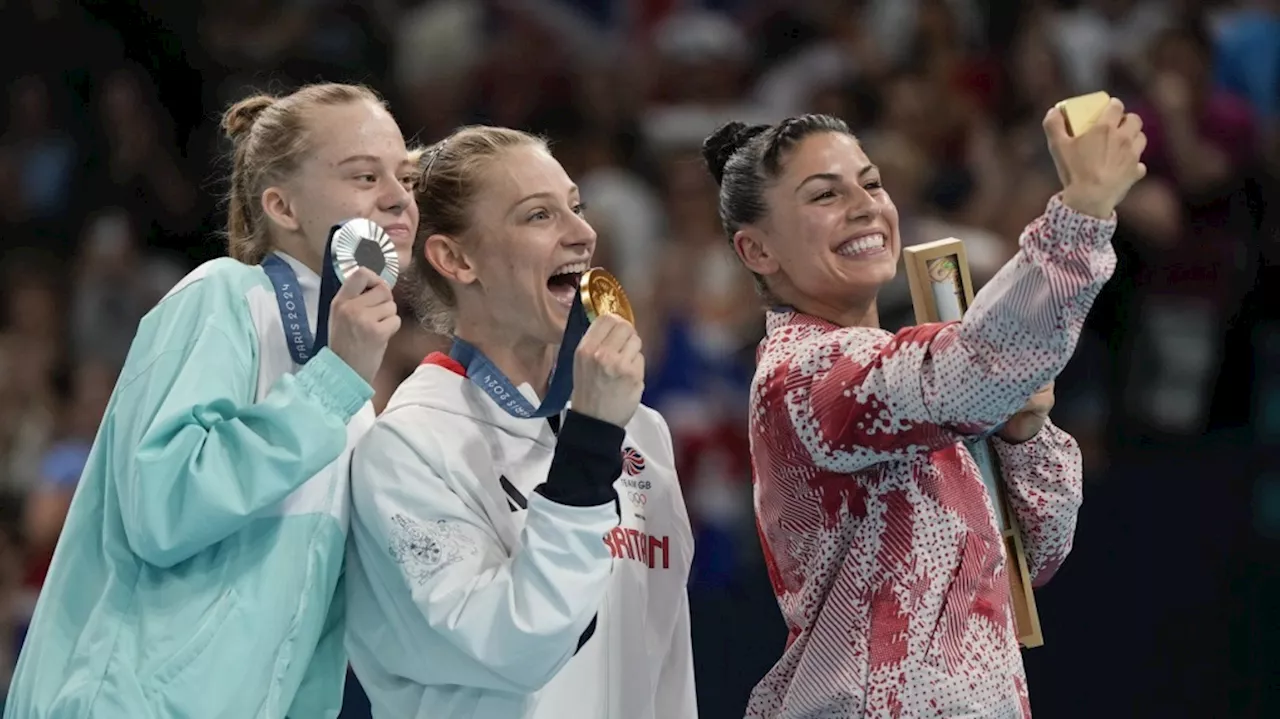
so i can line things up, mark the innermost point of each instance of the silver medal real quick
(362, 243)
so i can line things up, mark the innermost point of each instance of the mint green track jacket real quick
(198, 574)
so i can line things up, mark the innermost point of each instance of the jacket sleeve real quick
(319, 695)
(193, 455)
(676, 688)
(859, 396)
(1044, 478)
(519, 616)
(676, 694)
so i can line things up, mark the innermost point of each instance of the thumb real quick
(355, 284)
(1055, 127)
(1055, 131)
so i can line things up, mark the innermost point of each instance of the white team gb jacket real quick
(473, 597)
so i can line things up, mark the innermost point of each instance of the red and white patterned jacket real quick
(881, 541)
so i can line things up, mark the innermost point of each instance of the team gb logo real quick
(632, 461)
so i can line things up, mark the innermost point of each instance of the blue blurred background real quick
(111, 168)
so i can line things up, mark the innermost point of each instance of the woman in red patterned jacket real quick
(880, 537)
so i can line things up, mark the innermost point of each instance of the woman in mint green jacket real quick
(198, 573)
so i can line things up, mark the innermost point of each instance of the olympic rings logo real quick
(638, 498)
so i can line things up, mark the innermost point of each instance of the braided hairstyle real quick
(746, 159)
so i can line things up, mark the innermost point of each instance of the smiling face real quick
(830, 239)
(358, 167)
(520, 261)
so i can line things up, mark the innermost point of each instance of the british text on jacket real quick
(628, 543)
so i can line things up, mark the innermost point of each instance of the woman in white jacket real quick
(511, 557)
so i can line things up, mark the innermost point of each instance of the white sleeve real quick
(520, 616)
(676, 690)
(676, 696)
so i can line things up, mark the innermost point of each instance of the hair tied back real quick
(719, 148)
(432, 155)
(239, 119)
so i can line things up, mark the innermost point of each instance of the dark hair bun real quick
(726, 140)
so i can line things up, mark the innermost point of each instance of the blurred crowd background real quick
(112, 166)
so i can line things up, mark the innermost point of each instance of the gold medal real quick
(602, 294)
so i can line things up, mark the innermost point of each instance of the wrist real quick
(587, 460)
(1079, 202)
(1007, 437)
(1022, 427)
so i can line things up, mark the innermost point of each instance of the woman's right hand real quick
(361, 322)
(1098, 167)
(608, 371)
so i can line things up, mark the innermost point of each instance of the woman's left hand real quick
(1029, 420)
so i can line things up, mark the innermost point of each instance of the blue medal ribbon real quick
(293, 308)
(489, 378)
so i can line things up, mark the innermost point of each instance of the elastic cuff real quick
(1029, 443)
(587, 461)
(1066, 229)
(332, 381)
